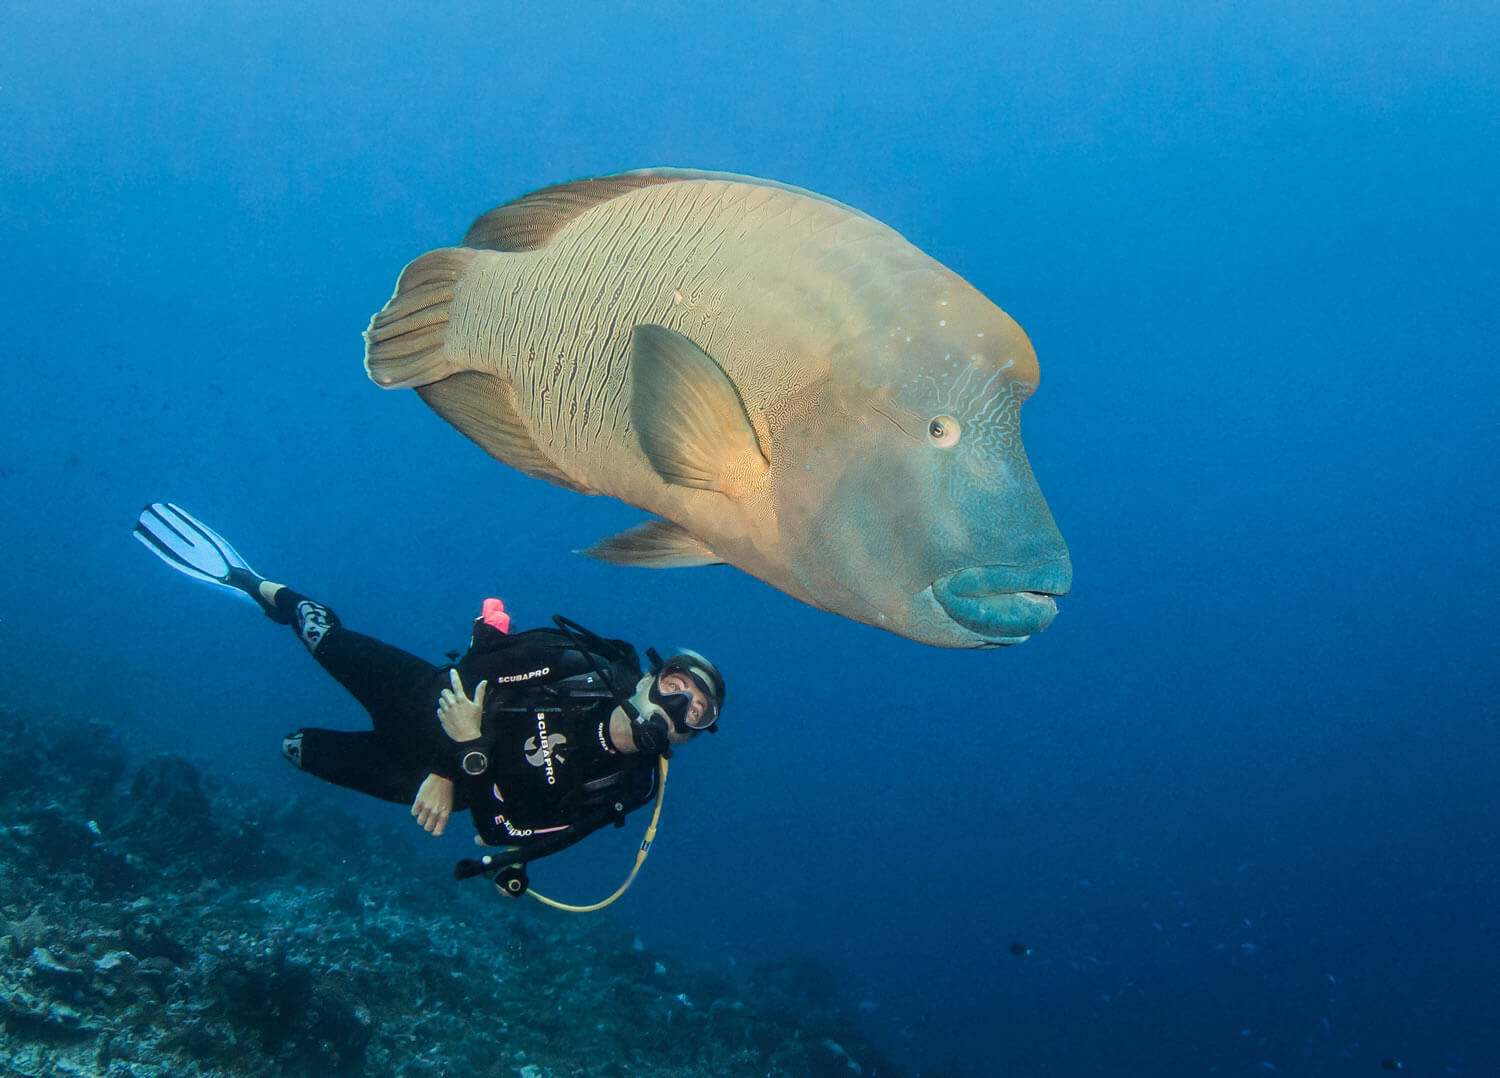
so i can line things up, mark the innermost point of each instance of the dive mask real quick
(677, 706)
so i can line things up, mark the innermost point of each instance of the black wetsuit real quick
(551, 766)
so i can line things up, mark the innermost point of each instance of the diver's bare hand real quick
(434, 804)
(459, 715)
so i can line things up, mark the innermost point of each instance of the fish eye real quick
(943, 430)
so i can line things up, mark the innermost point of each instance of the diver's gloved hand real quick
(434, 804)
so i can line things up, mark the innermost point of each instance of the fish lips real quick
(1002, 603)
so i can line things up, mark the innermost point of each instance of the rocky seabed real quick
(154, 922)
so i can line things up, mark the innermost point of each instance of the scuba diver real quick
(543, 736)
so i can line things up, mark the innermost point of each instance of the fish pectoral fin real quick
(484, 408)
(688, 415)
(404, 345)
(655, 544)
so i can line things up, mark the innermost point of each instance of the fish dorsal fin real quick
(661, 175)
(529, 222)
(654, 544)
(484, 408)
(689, 417)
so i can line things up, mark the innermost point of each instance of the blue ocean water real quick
(1239, 801)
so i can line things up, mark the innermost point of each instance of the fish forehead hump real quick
(948, 341)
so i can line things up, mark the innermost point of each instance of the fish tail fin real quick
(404, 345)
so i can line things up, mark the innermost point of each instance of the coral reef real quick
(156, 922)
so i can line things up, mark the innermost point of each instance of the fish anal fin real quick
(404, 345)
(654, 544)
(529, 222)
(688, 415)
(484, 408)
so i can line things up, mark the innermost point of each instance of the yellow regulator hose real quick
(640, 857)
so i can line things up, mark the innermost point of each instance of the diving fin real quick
(190, 546)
